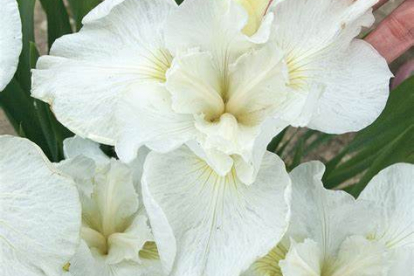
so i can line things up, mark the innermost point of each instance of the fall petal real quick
(40, 213)
(86, 73)
(214, 225)
(10, 40)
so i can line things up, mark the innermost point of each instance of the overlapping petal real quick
(115, 226)
(207, 224)
(393, 189)
(357, 256)
(325, 216)
(215, 26)
(321, 53)
(148, 119)
(360, 256)
(77, 146)
(303, 259)
(120, 47)
(40, 213)
(10, 40)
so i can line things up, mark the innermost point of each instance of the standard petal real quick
(82, 170)
(84, 263)
(257, 86)
(248, 168)
(393, 188)
(10, 40)
(357, 256)
(83, 159)
(87, 73)
(126, 245)
(217, 225)
(147, 118)
(40, 213)
(195, 86)
(115, 197)
(303, 259)
(325, 216)
(323, 54)
(213, 25)
(256, 10)
(76, 146)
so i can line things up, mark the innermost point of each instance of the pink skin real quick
(395, 34)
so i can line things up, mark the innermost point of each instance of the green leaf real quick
(401, 149)
(22, 114)
(108, 150)
(390, 139)
(286, 141)
(297, 157)
(58, 23)
(23, 76)
(274, 144)
(321, 138)
(80, 8)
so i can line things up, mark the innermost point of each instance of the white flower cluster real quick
(190, 96)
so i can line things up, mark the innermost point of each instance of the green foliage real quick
(58, 23)
(26, 8)
(80, 8)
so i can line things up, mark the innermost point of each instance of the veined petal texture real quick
(40, 215)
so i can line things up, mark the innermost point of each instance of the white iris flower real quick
(10, 40)
(39, 212)
(116, 238)
(332, 234)
(226, 74)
